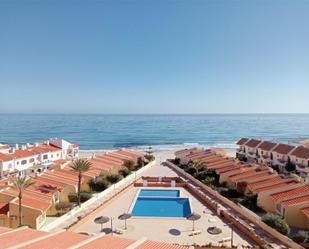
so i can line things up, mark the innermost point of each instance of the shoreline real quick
(157, 151)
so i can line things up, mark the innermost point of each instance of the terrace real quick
(167, 229)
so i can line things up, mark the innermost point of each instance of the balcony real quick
(302, 169)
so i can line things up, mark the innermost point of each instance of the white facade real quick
(38, 154)
(69, 151)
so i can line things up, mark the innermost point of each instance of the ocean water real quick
(102, 131)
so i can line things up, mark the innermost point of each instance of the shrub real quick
(112, 178)
(129, 164)
(63, 206)
(201, 175)
(183, 166)
(290, 166)
(124, 172)
(209, 180)
(251, 203)
(140, 163)
(277, 222)
(84, 196)
(150, 157)
(99, 184)
(190, 170)
(301, 236)
(231, 193)
(177, 161)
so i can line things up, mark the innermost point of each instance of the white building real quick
(264, 152)
(19, 159)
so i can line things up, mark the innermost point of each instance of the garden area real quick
(101, 183)
(209, 177)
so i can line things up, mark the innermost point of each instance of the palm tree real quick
(20, 184)
(199, 165)
(80, 166)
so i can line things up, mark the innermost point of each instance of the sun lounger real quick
(196, 232)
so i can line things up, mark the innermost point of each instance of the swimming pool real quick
(158, 193)
(160, 203)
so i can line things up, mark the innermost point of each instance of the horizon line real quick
(159, 113)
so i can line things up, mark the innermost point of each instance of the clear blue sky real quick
(154, 56)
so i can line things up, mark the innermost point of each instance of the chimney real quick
(16, 146)
(289, 142)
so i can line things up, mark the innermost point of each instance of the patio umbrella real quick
(124, 217)
(101, 220)
(193, 217)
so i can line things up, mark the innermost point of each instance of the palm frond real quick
(81, 165)
(21, 183)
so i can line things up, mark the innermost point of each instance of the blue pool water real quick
(158, 193)
(161, 207)
(161, 203)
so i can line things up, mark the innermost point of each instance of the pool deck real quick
(171, 230)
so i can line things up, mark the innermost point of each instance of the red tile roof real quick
(258, 175)
(19, 236)
(293, 192)
(243, 172)
(4, 229)
(148, 244)
(228, 168)
(306, 211)
(278, 185)
(275, 179)
(5, 157)
(242, 141)
(283, 148)
(296, 200)
(252, 143)
(108, 242)
(23, 153)
(301, 152)
(44, 148)
(267, 146)
(63, 240)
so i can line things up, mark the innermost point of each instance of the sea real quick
(161, 131)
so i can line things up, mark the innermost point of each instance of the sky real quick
(154, 56)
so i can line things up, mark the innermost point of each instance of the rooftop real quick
(294, 192)
(253, 143)
(283, 148)
(242, 141)
(295, 201)
(267, 146)
(301, 152)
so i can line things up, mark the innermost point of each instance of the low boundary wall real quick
(248, 215)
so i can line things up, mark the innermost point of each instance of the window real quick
(31, 160)
(45, 157)
(23, 162)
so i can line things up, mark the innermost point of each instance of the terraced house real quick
(19, 159)
(275, 154)
(53, 186)
(285, 194)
